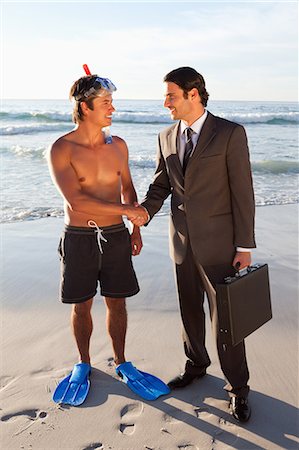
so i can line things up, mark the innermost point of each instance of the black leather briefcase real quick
(243, 303)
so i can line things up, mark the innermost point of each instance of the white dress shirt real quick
(196, 128)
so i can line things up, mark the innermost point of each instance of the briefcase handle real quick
(242, 272)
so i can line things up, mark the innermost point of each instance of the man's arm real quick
(242, 195)
(66, 181)
(160, 188)
(129, 196)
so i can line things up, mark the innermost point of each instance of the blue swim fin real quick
(73, 389)
(143, 384)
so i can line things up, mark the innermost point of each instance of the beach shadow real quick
(272, 419)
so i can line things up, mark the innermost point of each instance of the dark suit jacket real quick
(213, 205)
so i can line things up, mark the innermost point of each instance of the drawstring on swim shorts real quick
(99, 233)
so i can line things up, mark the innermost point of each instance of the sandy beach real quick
(38, 350)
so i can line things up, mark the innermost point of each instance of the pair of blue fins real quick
(73, 389)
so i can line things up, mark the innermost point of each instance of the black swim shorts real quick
(83, 264)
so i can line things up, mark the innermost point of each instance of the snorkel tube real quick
(86, 69)
(106, 130)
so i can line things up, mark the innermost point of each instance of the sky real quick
(244, 50)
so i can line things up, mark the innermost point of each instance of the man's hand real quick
(242, 260)
(136, 241)
(137, 214)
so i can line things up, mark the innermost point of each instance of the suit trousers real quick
(193, 280)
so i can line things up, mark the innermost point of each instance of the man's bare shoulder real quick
(120, 143)
(63, 144)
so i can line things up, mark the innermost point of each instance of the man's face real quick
(179, 106)
(102, 111)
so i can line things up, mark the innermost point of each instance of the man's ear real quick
(84, 108)
(194, 95)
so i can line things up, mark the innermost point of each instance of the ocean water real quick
(28, 127)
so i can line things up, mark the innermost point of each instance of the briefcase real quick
(243, 303)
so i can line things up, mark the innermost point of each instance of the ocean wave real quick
(290, 118)
(275, 167)
(270, 118)
(10, 130)
(66, 117)
(47, 119)
(20, 214)
(41, 116)
(270, 167)
(142, 163)
(32, 152)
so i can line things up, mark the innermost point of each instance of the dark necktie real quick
(188, 147)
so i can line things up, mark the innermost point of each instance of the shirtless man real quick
(93, 177)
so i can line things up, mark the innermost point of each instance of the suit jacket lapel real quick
(172, 141)
(207, 133)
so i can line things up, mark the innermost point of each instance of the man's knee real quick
(117, 305)
(82, 309)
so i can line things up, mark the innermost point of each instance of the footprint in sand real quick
(110, 362)
(128, 415)
(94, 446)
(32, 415)
(127, 428)
(168, 419)
(188, 447)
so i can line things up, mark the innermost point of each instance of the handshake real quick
(137, 214)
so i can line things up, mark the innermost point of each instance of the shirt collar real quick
(196, 126)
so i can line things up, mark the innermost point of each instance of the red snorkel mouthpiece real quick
(86, 69)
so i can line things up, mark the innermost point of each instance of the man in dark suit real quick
(203, 162)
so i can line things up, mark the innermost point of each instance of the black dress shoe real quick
(184, 379)
(240, 408)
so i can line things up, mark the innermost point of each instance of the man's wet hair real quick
(78, 89)
(187, 78)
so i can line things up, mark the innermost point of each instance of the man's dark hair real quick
(187, 78)
(79, 88)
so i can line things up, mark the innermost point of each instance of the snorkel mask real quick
(100, 87)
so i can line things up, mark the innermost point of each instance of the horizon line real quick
(150, 99)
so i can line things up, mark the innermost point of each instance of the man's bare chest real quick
(103, 166)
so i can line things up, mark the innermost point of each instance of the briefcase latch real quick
(242, 272)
